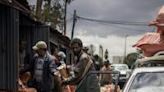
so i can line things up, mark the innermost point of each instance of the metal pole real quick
(73, 25)
(125, 46)
(65, 17)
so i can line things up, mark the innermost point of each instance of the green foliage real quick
(53, 12)
(106, 54)
(92, 49)
(131, 58)
(99, 59)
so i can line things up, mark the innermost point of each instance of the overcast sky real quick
(112, 37)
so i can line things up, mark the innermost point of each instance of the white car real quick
(124, 71)
(146, 79)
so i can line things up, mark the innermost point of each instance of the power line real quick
(126, 27)
(114, 22)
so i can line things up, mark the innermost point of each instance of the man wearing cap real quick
(43, 68)
(82, 66)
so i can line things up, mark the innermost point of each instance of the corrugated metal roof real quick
(15, 4)
(148, 38)
(150, 44)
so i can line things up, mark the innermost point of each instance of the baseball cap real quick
(40, 45)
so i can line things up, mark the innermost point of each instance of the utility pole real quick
(39, 9)
(65, 17)
(73, 25)
(101, 51)
(72, 33)
(125, 46)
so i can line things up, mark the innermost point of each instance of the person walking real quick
(106, 79)
(82, 66)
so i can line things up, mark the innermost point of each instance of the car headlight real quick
(114, 76)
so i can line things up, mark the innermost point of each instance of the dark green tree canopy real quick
(131, 58)
(51, 12)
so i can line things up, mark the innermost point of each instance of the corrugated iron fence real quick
(33, 33)
(41, 32)
(16, 27)
(9, 39)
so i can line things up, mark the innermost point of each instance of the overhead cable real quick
(114, 22)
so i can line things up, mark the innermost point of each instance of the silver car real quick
(146, 79)
(124, 71)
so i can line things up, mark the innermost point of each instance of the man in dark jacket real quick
(82, 66)
(42, 68)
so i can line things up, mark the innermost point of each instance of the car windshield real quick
(148, 82)
(120, 67)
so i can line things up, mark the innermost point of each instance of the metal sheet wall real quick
(41, 32)
(32, 32)
(25, 34)
(9, 38)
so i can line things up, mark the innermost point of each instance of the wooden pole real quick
(65, 18)
(73, 25)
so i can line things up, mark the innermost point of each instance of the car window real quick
(148, 82)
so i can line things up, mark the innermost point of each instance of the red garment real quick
(69, 88)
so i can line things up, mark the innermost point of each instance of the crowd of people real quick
(48, 72)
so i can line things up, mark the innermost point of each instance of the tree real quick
(92, 49)
(98, 61)
(38, 9)
(52, 13)
(106, 54)
(131, 58)
(101, 51)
